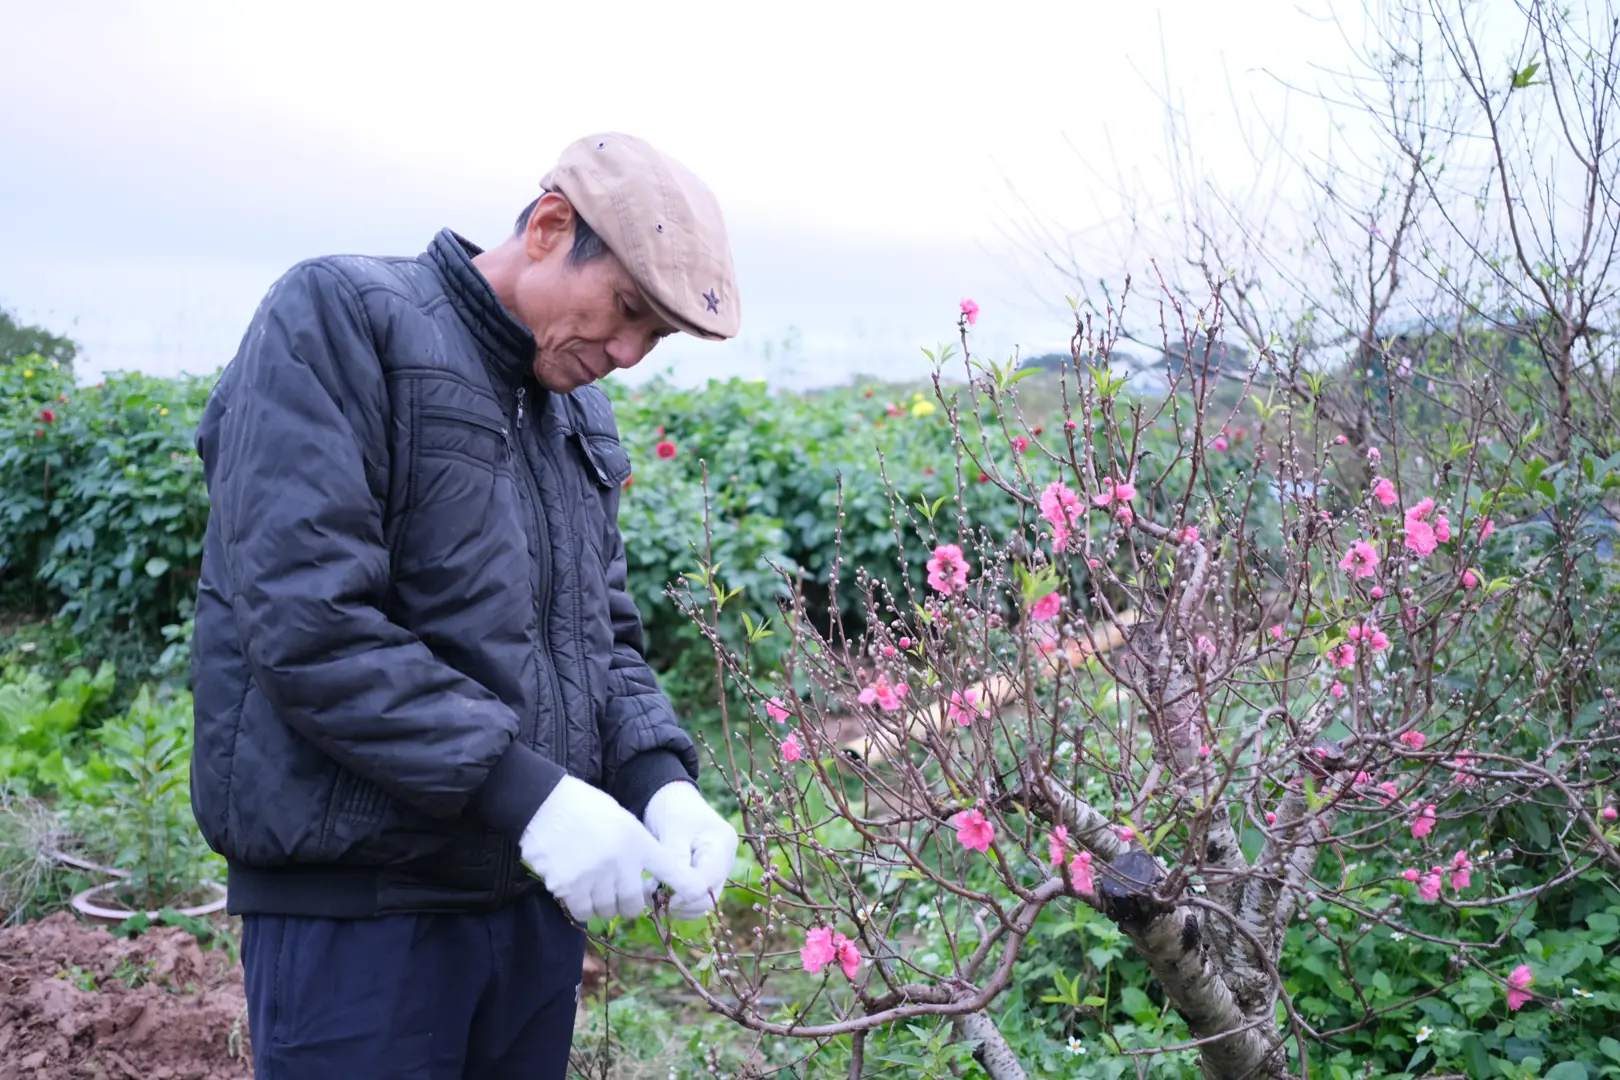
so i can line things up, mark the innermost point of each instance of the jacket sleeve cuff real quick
(514, 789)
(640, 778)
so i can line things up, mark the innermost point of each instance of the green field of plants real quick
(760, 523)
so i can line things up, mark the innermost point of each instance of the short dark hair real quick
(587, 245)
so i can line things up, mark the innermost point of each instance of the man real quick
(424, 719)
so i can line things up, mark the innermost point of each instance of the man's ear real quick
(550, 228)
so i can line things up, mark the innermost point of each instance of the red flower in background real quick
(47, 415)
(665, 449)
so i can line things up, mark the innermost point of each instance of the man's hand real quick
(590, 853)
(696, 837)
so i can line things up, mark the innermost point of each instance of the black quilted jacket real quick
(412, 620)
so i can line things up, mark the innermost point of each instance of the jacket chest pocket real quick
(607, 467)
(460, 547)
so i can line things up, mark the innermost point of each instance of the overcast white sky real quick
(162, 163)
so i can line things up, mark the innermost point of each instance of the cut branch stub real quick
(1323, 758)
(1126, 892)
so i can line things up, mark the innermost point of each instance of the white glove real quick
(698, 838)
(590, 853)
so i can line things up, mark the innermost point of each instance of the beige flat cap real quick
(662, 222)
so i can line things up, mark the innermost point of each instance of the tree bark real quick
(998, 1058)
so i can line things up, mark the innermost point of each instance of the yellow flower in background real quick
(923, 408)
(917, 396)
(28, 373)
(163, 412)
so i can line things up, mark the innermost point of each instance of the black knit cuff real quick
(520, 781)
(635, 784)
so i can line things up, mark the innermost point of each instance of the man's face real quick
(587, 319)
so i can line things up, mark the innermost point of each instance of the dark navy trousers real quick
(413, 997)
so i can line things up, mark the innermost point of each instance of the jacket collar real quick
(508, 343)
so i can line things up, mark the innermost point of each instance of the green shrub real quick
(41, 742)
(102, 506)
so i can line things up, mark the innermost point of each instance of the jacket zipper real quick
(543, 539)
(467, 416)
(543, 531)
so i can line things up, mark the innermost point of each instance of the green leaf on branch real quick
(1524, 79)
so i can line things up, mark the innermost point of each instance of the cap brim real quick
(679, 323)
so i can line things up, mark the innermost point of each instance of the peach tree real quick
(1230, 695)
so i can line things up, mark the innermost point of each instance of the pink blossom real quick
(1461, 762)
(1124, 492)
(1424, 824)
(1363, 778)
(1057, 844)
(1342, 656)
(1384, 491)
(1205, 646)
(948, 570)
(1420, 537)
(1377, 592)
(1220, 442)
(1189, 535)
(1105, 496)
(1080, 873)
(888, 651)
(1339, 440)
(1271, 819)
(1390, 791)
(821, 947)
(776, 710)
(791, 750)
(849, 958)
(1420, 510)
(1125, 515)
(1204, 751)
(886, 697)
(1046, 608)
(1276, 632)
(1460, 868)
(1469, 579)
(973, 830)
(818, 950)
(1518, 979)
(1354, 633)
(963, 707)
(1361, 560)
(1093, 563)
(1374, 454)
(1372, 637)
(1486, 529)
(1429, 886)
(905, 643)
(1125, 833)
(1061, 507)
(970, 311)
(1337, 690)
(1609, 813)
(1413, 739)
(1442, 528)
(1019, 444)
(1411, 875)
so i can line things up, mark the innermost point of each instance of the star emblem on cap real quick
(712, 301)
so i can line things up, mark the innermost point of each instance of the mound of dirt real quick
(77, 1003)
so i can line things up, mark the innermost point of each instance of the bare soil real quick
(77, 1003)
